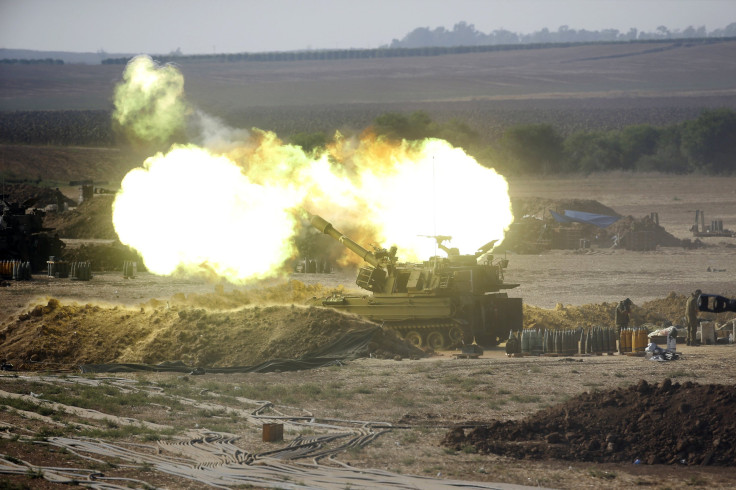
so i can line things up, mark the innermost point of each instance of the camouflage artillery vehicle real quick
(442, 302)
(23, 236)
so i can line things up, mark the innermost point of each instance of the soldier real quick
(622, 314)
(691, 313)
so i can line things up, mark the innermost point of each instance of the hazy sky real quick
(226, 26)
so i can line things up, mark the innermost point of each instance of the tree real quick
(592, 152)
(533, 148)
(309, 141)
(636, 142)
(394, 125)
(709, 142)
(459, 134)
(667, 157)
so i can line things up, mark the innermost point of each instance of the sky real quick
(233, 26)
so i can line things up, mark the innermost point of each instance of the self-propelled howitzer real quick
(441, 302)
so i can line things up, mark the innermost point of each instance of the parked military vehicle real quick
(23, 236)
(442, 302)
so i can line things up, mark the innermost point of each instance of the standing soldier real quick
(622, 314)
(621, 318)
(691, 313)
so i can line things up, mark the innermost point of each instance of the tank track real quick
(434, 334)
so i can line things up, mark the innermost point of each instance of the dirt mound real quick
(534, 222)
(65, 335)
(667, 423)
(629, 224)
(91, 219)
(657, 312)
(103, 257)
(38, 197)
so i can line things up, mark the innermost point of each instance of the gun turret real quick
(325, 227)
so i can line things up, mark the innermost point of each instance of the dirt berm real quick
(63, 336)
(668, 423)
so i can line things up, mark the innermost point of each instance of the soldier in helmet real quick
(623, 313)
(691, 313)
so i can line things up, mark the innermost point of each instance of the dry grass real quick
(420, 399)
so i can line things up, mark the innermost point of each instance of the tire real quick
(436, 340)
(455, 334)
(414, 337)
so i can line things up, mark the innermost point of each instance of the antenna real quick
(434, 204)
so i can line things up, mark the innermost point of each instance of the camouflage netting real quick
(539, 207)
(536, 229)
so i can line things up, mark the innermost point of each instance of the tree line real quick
(464, 34)
(706, 144)
(44, 61)
(390, 52)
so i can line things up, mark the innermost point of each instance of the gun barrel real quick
(715, 303)
(325, 227)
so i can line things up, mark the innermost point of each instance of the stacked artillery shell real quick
(564, 342)
(536, 342)
(571, 342)
(625, 340)
(532, 341)
(525, 341)
(130, 269)
(81, 271)
(597, 340)
(21, 271)
(17, 270)
(639, 339)
(612, 338)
